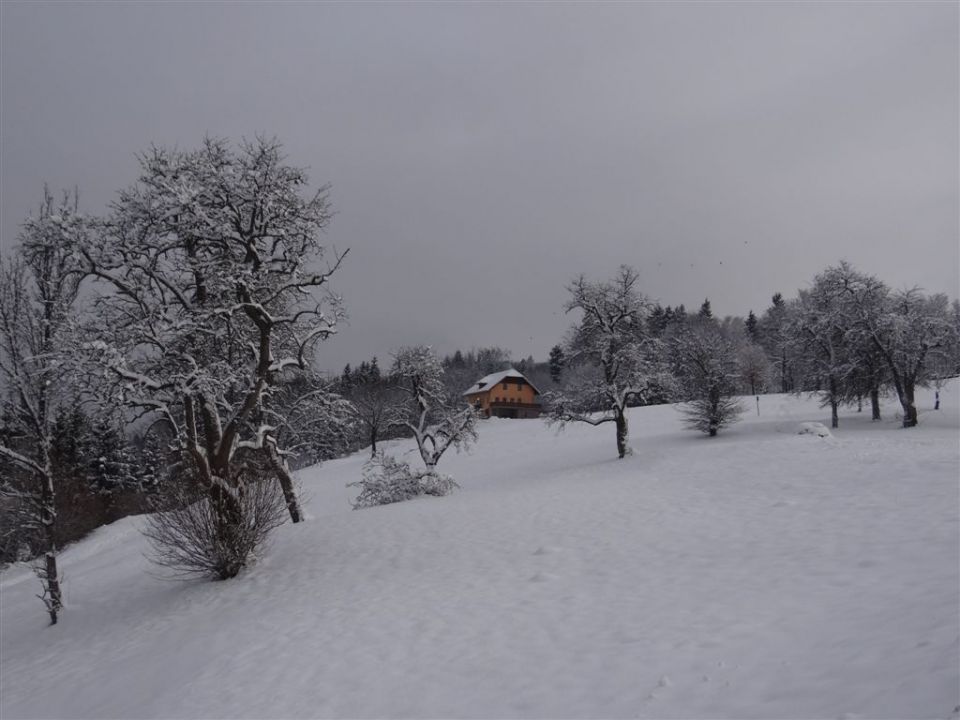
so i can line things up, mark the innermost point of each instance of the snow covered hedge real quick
(388, 480)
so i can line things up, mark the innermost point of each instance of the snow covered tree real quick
(705, 312)
(752, 326)
(38, 288)
(705, 365)
(776, 340)
(611, 336)
(437, 420)
(907, 329)
(820, 329)
(211, 290)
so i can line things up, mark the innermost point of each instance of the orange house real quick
(506, 394)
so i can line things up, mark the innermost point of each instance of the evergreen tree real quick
(362, 376)
(375, 376)
(705, 312)
(751, 325)
(557, 361)
(657, 321)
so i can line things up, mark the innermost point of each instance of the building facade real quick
(506, 394)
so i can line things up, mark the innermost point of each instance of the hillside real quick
(759, 574)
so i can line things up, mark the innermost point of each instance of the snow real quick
(814, 428)
(752, 575)
(488, 381)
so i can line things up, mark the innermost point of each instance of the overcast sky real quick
(482, 155)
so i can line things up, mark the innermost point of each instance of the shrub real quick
(193, 536)
(388, 480)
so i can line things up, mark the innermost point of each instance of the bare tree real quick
(611, 337)
(313, 422)
(38, 289)
(754, 367)
(211, 291)
(705, 363)
(377, 407)
(437, 420)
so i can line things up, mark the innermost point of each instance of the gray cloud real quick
(483, 154)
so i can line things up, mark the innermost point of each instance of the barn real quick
(506, 394)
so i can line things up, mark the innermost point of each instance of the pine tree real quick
(705, 312)
(557, 361)
(751, 325)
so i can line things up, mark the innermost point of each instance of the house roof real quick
(488, 381)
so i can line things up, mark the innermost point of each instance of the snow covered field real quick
(759, 574)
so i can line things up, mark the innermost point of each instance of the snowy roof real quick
(488, 381)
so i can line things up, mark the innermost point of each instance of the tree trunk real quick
(286, 481)
(373, 442)
(621, 434)
(783, 371)
(875, 403)
(51, 581)
(909, 408)
(49, 576)
(834, 417)
(714, 412)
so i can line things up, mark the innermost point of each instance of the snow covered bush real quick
(388, 480)
(193, 535)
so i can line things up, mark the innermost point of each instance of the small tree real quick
(387, 480)
(705, 363)
(437, 421)
(38, 288)
(376, 407)
(611, 336)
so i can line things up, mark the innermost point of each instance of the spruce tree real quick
(557, 361)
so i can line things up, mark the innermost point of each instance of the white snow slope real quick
(759, 574)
